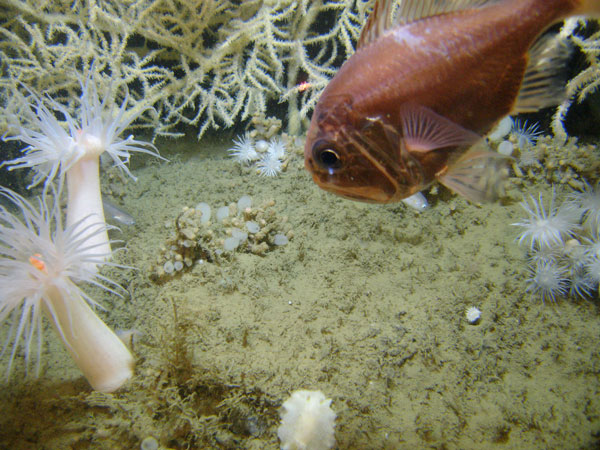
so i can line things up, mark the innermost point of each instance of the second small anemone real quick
(545, 228)
(243, 149)
(588, 200)
(269, 165)
(548, 279)
(525, 134)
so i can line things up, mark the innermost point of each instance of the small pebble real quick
(252, 227)
(280, 239)
(222, 213)
(149, 443)
(244, 202)
(204, 209)
(239, 234)
(168, 267)
(262, 146)
(231, 243)
(506, 148)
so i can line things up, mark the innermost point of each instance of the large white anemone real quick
(41, 265)
(53, 151)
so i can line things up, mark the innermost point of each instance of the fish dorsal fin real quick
(545, 76)
(411, 10)
(381, 18)
(424, 130)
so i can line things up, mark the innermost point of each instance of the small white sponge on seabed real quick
(307, 422)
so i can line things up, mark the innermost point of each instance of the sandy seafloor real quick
(366, 303)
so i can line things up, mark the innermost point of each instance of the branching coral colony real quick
(209, 64)
(584, 83)
(41, 261)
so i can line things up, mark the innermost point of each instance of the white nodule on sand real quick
(307, 422)
(222, 213)
(205, 210)
(244, 202)
(473, 315)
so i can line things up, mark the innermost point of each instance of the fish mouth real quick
(368, 194)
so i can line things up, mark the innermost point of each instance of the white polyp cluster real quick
(268, 156)
(564, 248)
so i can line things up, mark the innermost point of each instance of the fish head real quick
(357, 156)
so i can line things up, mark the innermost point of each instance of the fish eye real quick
(327, 157)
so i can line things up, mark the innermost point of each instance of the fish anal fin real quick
(545, 75)
(424, 130)
(480, 175)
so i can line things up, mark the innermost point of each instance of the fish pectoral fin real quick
(480, 175)
(423, 130)
(546, 74)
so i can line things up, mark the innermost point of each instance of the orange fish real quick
(410, 106)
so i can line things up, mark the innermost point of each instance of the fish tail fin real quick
(588, 8)
(546, 74)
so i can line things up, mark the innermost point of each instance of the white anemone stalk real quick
(53, 152)
(41, 265)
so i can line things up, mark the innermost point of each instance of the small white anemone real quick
(527, 157)
(269, 166)
(592, 245)
(41, 265)
(307, 422)
(581, 284)
(101, 126)
(547, 229)
(592, 269)
(547, 279)
(589, 202)
(545, 254)
(525, 134)
(277, 147)
(473, 315)
(243, 150)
